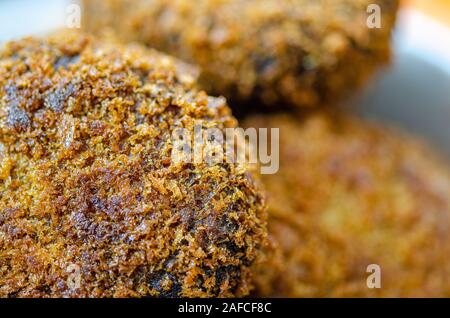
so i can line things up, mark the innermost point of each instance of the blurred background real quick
(413, 93)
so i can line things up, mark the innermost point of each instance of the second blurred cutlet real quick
(348, 195)
(299, 52)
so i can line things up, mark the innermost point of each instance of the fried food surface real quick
(87, 185)
(349, 194)
(299, 52)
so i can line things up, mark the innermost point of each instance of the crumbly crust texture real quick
(350, 194)
(274, 52)
(87, 183)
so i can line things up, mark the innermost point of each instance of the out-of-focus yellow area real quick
(439, 9)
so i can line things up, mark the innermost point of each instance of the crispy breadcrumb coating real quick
(349, 194)
(298, 52)
(87, 184)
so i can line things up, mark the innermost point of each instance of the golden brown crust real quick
(349, 194)
(86, 177)
(301, 52)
